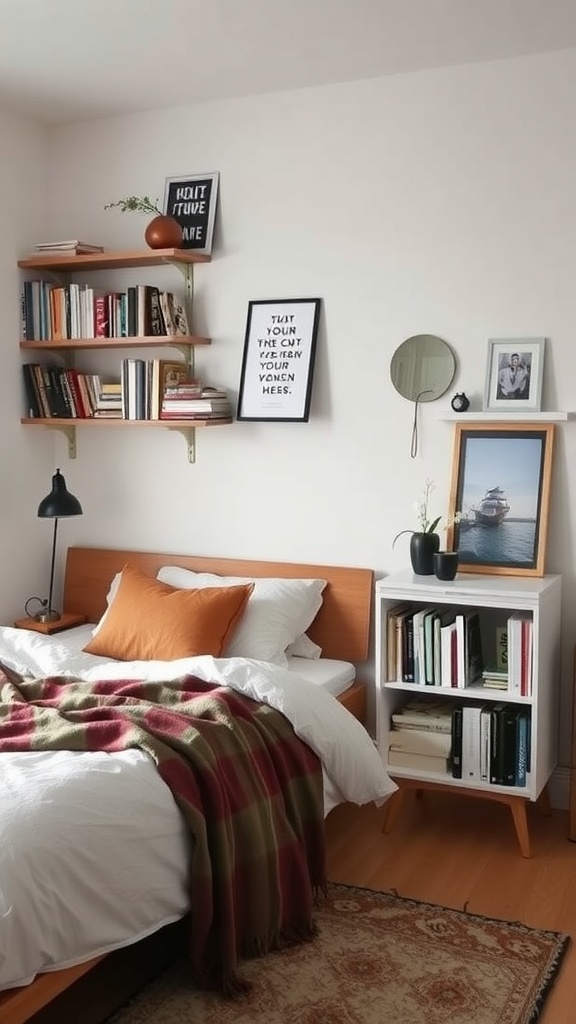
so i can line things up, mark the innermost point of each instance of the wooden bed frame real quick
(342, 628)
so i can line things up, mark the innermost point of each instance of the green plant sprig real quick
(136, 204)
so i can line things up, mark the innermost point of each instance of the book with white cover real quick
(423, 714)
(421, 741)
(471, 769)
(419, 762)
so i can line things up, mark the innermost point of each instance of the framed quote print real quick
(278, 359)
(192, 200)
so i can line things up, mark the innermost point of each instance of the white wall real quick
(440, 202)
(25, 458)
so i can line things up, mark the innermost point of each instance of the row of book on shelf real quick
(150, 389)
(78, 311)
(442, 646)
(484, 743)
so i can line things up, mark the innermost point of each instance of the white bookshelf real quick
(496, 598)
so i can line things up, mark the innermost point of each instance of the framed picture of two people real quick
(514, 374)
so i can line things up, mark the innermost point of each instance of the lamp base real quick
(46, 615)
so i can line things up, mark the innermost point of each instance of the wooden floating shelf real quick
(113, 260)
(82, 344)
(186, 427)
(115, 421)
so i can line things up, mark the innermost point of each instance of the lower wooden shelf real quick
(67, 426)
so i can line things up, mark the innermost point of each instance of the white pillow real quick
(109, 598)
(303, 647)
(278, 611)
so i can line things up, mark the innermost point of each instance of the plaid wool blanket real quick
(249, 789)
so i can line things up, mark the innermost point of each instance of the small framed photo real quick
(501, 488)
(514, 374)
(278, 360)
(192, 200)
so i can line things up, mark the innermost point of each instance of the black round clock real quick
(460, 403)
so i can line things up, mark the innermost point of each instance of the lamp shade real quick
(59, 503)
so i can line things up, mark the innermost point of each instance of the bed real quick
(341, 628)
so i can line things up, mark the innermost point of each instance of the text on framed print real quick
(191, 200)
(278, 360)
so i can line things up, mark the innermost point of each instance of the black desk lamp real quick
(57, 505)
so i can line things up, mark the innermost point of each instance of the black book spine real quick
(456, 752)
(510, 746)
(496, 746)
(49, 391)
(156, 321)
(33, 406)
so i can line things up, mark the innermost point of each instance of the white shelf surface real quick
(505, 417)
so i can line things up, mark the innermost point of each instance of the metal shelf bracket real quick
(189, 435)
(70, 433)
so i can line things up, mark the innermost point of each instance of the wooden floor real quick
(464, 853)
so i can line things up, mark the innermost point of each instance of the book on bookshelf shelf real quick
(471, 745)
(166, 373)
(69, 247)
(502, 648)
(519, 629)
(425, 714)
(469, 648)
(420, 762)
(421, 741)
(391, 648)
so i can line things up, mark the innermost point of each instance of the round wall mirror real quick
(422, 368)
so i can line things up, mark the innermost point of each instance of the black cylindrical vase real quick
(422, 549)
(446, 564)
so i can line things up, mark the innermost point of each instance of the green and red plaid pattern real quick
(249, 789)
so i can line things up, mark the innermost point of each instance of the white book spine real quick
(471, 743)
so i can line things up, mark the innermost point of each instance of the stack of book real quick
(494, 678)
(74, 311)
(434, 646)
(421, 736)
(70, 247)
(491, 744)
(108, 400)
(519, 628)
(191, 400)
(477, 742)
(144, 382)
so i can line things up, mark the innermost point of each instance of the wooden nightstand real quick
(66, 621)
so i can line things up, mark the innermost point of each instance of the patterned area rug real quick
(377, 958)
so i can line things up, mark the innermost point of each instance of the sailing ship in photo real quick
(487, 532)
(493, 508)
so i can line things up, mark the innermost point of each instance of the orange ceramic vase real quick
(163, 233)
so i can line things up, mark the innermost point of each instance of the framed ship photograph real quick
(501, 488)
(514, 374)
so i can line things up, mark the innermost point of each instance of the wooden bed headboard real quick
(342, 626)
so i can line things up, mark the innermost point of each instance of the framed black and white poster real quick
(191, 200)
(278, 360)
(514, 373)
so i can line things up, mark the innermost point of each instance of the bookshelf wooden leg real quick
(392, 809)
(517, 806)
(543, 803)
(572, 802)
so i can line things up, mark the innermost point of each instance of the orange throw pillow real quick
(152, 621)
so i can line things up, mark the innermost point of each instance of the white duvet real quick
(93, 851)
